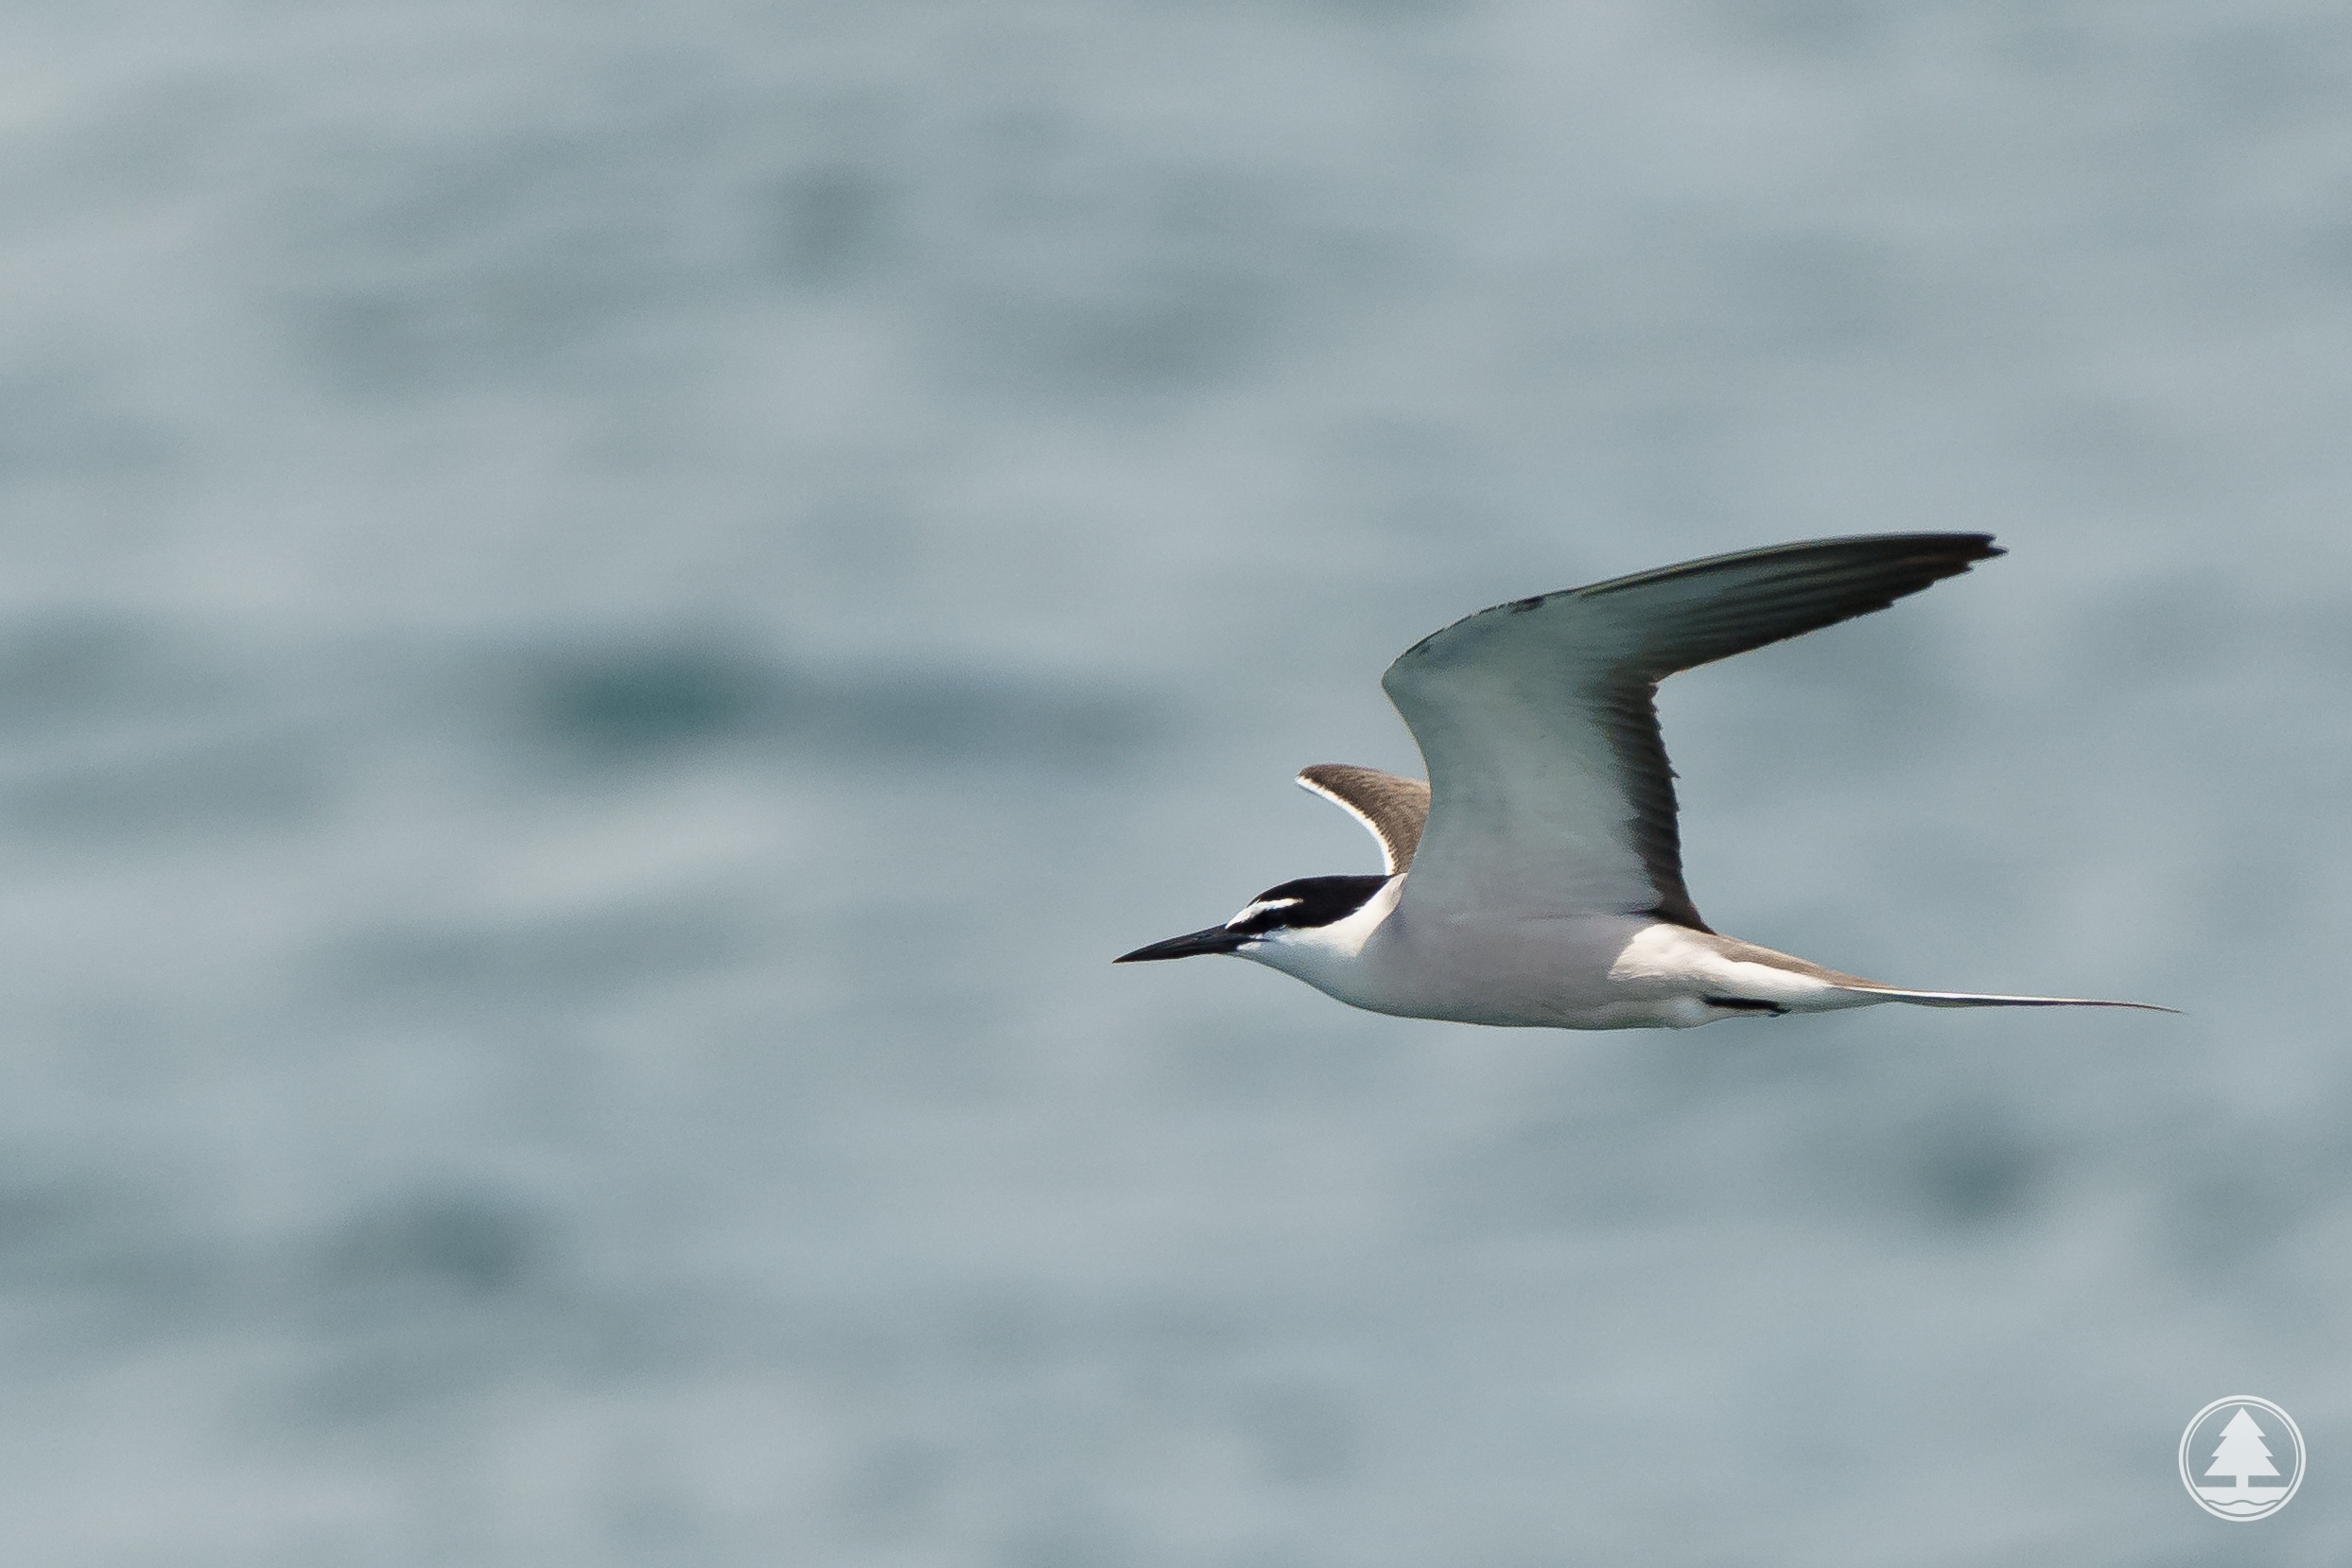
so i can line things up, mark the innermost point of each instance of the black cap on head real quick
(1308, 902)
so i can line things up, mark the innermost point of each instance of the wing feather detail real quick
(1551, 791)
(1392, 807)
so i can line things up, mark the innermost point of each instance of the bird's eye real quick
(1262, 915)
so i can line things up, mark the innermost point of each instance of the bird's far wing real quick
(1393, 807)
(1537, 719)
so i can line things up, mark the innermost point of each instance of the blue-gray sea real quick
(608, 614)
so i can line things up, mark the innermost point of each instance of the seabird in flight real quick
(1536, 879)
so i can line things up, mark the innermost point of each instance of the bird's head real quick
(1315, 917)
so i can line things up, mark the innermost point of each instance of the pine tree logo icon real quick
(2241, 1459)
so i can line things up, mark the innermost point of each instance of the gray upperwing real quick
(1538, 723)
(1392, 806)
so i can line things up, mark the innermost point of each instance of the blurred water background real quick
(607, 615)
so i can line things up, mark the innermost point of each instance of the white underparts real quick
(1678, 959)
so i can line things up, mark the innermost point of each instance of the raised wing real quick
(1393, 807)
(1538, 724)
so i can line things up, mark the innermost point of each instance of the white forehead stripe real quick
(1262, 907)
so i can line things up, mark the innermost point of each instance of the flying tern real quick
(1536, 879)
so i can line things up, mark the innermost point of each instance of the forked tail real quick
(1974, 998)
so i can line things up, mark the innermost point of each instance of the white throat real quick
(1323, 956)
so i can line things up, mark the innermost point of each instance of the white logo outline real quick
(2286, 1493)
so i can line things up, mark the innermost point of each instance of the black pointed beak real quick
(1215, 939)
